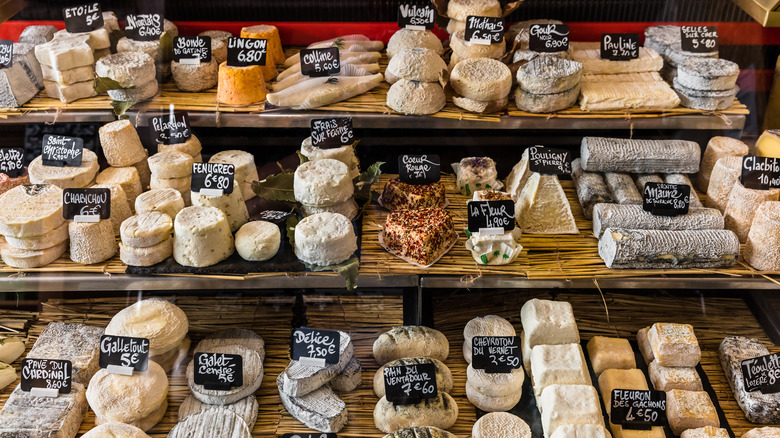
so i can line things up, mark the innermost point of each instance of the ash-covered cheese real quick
(129, 69)
(217, 423)
(141, 92)
(92, 242)
(246, 409)
(549, 74)
(320, 410)
(26, 415)
(322, 183)
(639, 156)
(24, 54)
(202, 237)
(37, 34)
(325, 239)
(31, 210)
(77, 343)
(252, 376)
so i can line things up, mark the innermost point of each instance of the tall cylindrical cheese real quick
(120, 206)
(121, 144)
(65, 177)
(717, 148)
(246, 170)
(325, 239)
(724, 175)
(171, 164)
(763, 243)
(232, 205)
(742, 206)
(322, 183)
(240, 85)
(181, 185)
(270, 33)
(127, 177)
(144, 173)
(31, 210)
(345, 154)
(168, 201)
(190, 147)
(92, 242)
(195, 77)
(202, 237)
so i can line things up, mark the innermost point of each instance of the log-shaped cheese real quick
(202, 237)
(643, 178)
(275, 52)
(758, 407)
(601, 154)
(661, 249)
(635, 217)
(622, 187)
(31, 210)
(591, 188)
(240, 85)
(121, 144)
(742, 206)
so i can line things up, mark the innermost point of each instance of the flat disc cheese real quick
(48, 240)
(190, 147)
(246, 409)
(202, 237)
(146, 256)
(481, 79)
(322, 183)
(127, 399)
(171, 164)
(146, 229)
(214, 423)
(31, 210)
(252, 376)
(467, 49)
(25, 259)
(160, 321)
(345, 154)
(129, 69)
(115, 430)
(65, 177)
(168, 201)
(258, 241)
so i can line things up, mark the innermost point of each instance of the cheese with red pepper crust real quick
(398, 195)
(421, 235)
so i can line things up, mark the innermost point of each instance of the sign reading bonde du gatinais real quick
(192, 49)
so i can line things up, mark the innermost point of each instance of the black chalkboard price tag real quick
(549, 161)
(416, 17)
(144, 27)
(419, 169)
(320, 62)
(61, 150)
(309, 435)
(83, 18)
(760, 173)
(12, 161)
(275, 216)
(243, 52)
(409, 384)
(496, 354)
(213, 179)
(484, 30)
(699, 39)
(86, 205)
(123, 355)
(46, 377)
(548, 38)
(219, 371)
(315, 347)
(662, 199)
(619, 46)
(491, 216)
(192, 49)
(762, 374)
(170, 128)
(332, 133)
(635, 409)
(6, 53)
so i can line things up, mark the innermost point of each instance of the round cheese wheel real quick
(481, 79)
(496, 384)
(31, 210)
(181, 185)
(168, 201)
(115, 430)
(490, 403)
(121, 144)
(345, 154)
(246, 408)
(219, 35)
(419, 98)
(129, 69)
(322, 183)
(92, 242)
(146, 229)
(151, 48)
(128, 399)
(407, 39)
(44, 241)
(468, 49)
(140, 93)
(144, 423)
(325, 239)
(490, 325)
(461, 9)
(202, 237)
(258, 241)
(195, 77)
(191, 147)
(416, 64)
(501, 424)
(36, 258)
(171, 164)
(127, 177)
(65, 177)
(146, 256)
(347, 208)
(252, 377)
(163, 323)
(548, 75)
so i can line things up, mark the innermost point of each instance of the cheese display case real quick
(389, 219)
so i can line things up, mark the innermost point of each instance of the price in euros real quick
(216, 181)
(316, 351)
(327, 66)
(648, 415)
(421, 387)
(708, 43)
(250, 56)
(512, 361)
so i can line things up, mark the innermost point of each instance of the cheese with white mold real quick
(129, 69)
(92, 242)
(66, 53)
(24, 53)
(127, 177)
(16, 87)
(166, 200)
(97, 39)
(171, 164)
(245, 169)
(37, 34)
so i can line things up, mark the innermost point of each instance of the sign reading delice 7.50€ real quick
(315, 347)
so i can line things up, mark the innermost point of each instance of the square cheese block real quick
(674, 345)
(25, 415)
(77, 343)
(97, 39)
(706, 432)
(558, 364)
(66, 53)
(668, 378)
(569, 404)
(16, 87)
(620, 379)
(644, 345)
(68, 77)
(549, 323)
(689, 410)
(610, 353)
(70, 93)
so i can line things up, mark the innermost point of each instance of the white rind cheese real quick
(320, 410)
(246, 408)
(495, 384)
(623, 188)
(481, 79)
(298, 379)
(742, 206)
(470, 50)
(115, 430)
(614, 95)
(724, 175)
(569, 404)
(232, 205)
(325, 239)
(66, 53)
(634, 217)
(26, 415)
(549, 75)
(682, 179)
(140, 93)
(591, 188)
(71, 92)
(416, 64)
(350, 377)
(246, 170)
(146, 229)
(128, 399)
(92, 242)
(348, 208)
(546, 103)
(146, 256)
(202, 237)
(195, 77)
(322, 183)
(168, 201)
(601, 154)
(252, 377)
(65, 177)
(404, 39)
(120, 205)
(542, 207)
(31, 258)
(589, 54)
(129, 69)
(191, 147)
(717, 148)
(30, 211)
(345, 154)
(214, 423)
(506, 425)
(418, 98)
(662, 249)
(181, 185)
(98, 39)
(562, 364)
(763, 243)
(127, 177)
(171, 164)
(121, 144)
(160, 321)
(258, 241)
(490, 403)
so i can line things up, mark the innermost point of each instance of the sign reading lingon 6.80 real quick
(243, 52)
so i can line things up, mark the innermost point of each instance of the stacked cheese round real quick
(202, 237)
(146, 239)
(325, 239)
(122, 147)
(65, 177)
(345, 154)
(462, 49)
(232, 204)
(67, 65)
(548, 84)
(415, 74)
(172, 167)
(459, 10)
(707, 83)
(258, 241)
(168, 201)
(200, 75)
(245, 169)
(135, 73)
(481, 84)
(742, 206)
(191, 147)
(120, 205)
(34, 230)
(126, 177)
(140, 399)
(405, 39)
(163, 323)
(325, 185)
(491, 392)
(92, 242)
(240, 85)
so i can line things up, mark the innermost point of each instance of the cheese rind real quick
(763, 243)
(141, 92)
(31, 211)
(569, 404)
(591, 188)
(217, 423)
(232, 205)
(146, 256)
(742, 206)
(128, 399)
(245, 169)
(27, 415)
(717, 147)
(77, 343)
(120, 205)
(258, 241)
(252, 377)
(418, 98)
(44, 241)
(481, 79)
(635, 217)
(323, 183)
(129, 69)
(549, 75)
(65, 177)
(25, 259)
(441, 412)
(202, 237)
(195, 77)
(601, 154)
(66, 52)
(146, 229)
(160, 321)
(190, 147)
(758, 407)
(181, 185)
(558, 364)
(548, 323)
(167, 200)
(171, 164)
(126, 177)
(622, 187)
(115, 430)
(470, 50)
(404, 39)
(609, 95)
(71, 92)
(325, 239)
(542, 207)
(246, 409)
(444, 380)
(121, 144)
(92, 242)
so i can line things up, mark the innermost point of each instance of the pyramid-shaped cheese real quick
(542, 207)
(518, 177)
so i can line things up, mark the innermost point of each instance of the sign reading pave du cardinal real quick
(49, 374)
